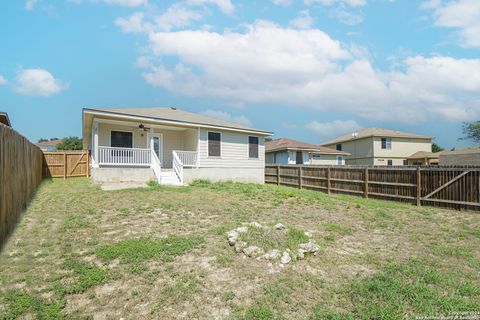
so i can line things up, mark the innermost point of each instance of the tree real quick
(71, 143)
(471, 130)
(42, 140)
(268, 139)
(436, 148)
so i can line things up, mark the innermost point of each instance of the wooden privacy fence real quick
(66, 164)
(20, 174)
(452, 187)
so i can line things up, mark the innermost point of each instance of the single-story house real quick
(286, 151)
(423, 158)
(377, 146)
(469, 156)
(4, 119)
(50, 145)
(171, 146)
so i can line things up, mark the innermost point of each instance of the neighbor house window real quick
(316, 156)
(405, 162)
(390, 162)
(339, 147)
(253, 147)
(340, 160)
(121, 139)
(214, 144)
(387, 143)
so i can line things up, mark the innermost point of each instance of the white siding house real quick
(171, 146)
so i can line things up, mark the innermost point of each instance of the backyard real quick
(162, 252)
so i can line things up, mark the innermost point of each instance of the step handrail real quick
(156, 165)
(177, 166)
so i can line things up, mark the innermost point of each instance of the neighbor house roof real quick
(4, 119)
(49, 143)
(375, 132)
(287, 144)
(466, 150)
(177, 116)
(424, 154)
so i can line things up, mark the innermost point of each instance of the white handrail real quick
(156, 165)
(124, 156)
(187, 158)
(177, 166)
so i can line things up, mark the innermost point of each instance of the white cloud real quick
(346, 16)
(227, 117)
(30, 4)
(333, 128)
(284, 3)
(260, 65)
(303, 21)
(226, 6)
(134, 23)
(37, 82)
(463, 15)
(2, 80)
(353, 3)
(127, 3)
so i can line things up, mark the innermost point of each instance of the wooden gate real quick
(66, 164)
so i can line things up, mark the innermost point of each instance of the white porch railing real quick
(124, 156)
(187, 158)
(156, 166)
(177, 166)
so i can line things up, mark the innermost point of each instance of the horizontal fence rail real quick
(20, 174)
(66, 164)
(124, 156)
(451, 187)
(188, 158)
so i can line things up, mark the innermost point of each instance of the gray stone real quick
(310, 247)
(300, 254)
(308, 234)
(242, 229)
(279, 226)
(273, 254)
(285, 258)
(240, 245)
(255, 224)
(253, 251)
(232, 237)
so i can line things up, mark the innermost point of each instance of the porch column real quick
(95, 141)
(198, 147)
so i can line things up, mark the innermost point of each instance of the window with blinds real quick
(253, 147)
(214, 144)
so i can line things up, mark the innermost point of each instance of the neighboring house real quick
(423, 158)
(4, 119)
(50, 145)
(171, 146)
(375, 146)
(469, 156)
(286, 151)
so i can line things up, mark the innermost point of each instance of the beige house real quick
(423, 158)
(469, 156)
(171, 146)
(375, 146)
(4, 119)
(286, 151)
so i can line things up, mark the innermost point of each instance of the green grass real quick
(337, 228)
(142, 249)
(269, 238)
(19, 302)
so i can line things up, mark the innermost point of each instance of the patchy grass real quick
(269, 238)
(161, 252)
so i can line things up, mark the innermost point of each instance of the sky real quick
(309, 70)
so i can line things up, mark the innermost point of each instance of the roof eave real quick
(170, 121)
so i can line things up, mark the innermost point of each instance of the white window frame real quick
(208, 145)
(340, 160)
(116, 130)
(388, 143)
(248, 144)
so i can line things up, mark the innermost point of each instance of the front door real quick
(156, 144)
(299, 157)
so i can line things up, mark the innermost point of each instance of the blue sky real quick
(308, 70)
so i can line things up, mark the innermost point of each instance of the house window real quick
(387, 143)
(339, 147)
(316, 156)
(253, 147)
(121, 139)
(405, 162)
(214, 144)
(390, 162)
(340, 160)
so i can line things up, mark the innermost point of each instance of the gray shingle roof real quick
(376, 132)
(177, 115)
(288, 144)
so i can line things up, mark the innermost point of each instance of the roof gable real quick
(375, 132)
(288, 144)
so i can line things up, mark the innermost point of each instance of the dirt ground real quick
(162, 253)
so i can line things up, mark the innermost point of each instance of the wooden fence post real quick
(65, 165)
(366, 182)
(278, 175)
(328, 180)
(419, 187)
(300, 177)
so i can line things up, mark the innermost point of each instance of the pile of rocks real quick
(285, 257)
